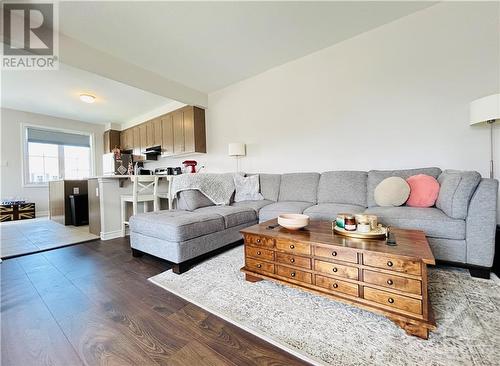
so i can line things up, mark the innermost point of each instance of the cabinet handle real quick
(334, 269)
(259, 265)
(258, 240)
(335, 285)
(389, 282)
(292, 274)
(390, 300)
(292, 246)
(389, 263)
(334, 253)
(259, 253)
(292, 260)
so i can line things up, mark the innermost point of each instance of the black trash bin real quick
(79, 209)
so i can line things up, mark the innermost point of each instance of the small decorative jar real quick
(364, 227)
(340, 220)
(350, 223)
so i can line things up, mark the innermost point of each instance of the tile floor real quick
(28, 236)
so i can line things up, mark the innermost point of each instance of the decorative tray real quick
(378, 233)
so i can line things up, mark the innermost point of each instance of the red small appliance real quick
(190, 166)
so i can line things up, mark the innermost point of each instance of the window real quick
(52, 155)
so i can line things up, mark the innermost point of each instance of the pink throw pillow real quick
(424, 190)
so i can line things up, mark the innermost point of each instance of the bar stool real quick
(141, 183)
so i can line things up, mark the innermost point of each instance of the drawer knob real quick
(258, 252)
(334, 253)
(292, 274)
(292, 260)
(389, 282)
(389, 263)
(334, 269)
(335, 285)
(259, 265)
(258, 240)
(390, 300)
(292, 246)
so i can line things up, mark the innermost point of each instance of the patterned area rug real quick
(323, 331)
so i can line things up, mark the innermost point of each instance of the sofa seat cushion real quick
(329, 211)
(176, 225)
(432, 221)
(255, 205)
(273, 210)
(233, 216)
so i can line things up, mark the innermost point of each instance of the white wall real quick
(11, 152)
(395, 97)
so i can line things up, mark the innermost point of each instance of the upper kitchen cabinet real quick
(111, 140)
(189, 130)
(143, 135)
(167, 130)
(127, 139)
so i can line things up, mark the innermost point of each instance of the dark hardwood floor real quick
(91, 304)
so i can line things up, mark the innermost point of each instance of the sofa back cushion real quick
(270, 186)
(456, 191)
(346, 187)
(377, 176)
(191, 199)
(299, 187)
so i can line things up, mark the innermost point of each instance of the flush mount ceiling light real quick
(87, 98)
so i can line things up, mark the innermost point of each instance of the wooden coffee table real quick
(370, 274)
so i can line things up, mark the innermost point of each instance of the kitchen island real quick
(105, 202)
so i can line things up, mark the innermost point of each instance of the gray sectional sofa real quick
(460, 228)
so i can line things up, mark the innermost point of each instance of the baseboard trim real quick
(41, 213)
(112, 234)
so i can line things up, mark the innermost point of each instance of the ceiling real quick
(210, 45)
(56, 93)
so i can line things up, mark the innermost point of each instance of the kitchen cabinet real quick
(136, 138)
(167, 130)
(111, 140)
(143, 135)
(178, 133)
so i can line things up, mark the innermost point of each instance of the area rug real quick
(323, 331)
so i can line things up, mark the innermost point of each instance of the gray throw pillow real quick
(247, 188)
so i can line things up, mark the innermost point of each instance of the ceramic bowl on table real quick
(293, 221)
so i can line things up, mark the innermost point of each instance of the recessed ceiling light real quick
(87, 98)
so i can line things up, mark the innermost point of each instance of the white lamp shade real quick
(485, 109)
(236, 149)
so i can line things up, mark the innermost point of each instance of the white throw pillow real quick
(247, 188)
(392, 192)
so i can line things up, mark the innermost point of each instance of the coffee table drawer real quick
(260, 253)
(340, 254)
(294, 260)
(295, 247)
(335, 285)
(393, 281)
(259, 266)
(336, 269)
(392, 263)
(294, 274)
(393, 300)
(260, 241)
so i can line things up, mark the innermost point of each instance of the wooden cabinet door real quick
(136, 136)
(167, 129)
(107, 148)
(189, 139)
(150, 134)
(143, 134)
(157, 134)
(179, 145)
